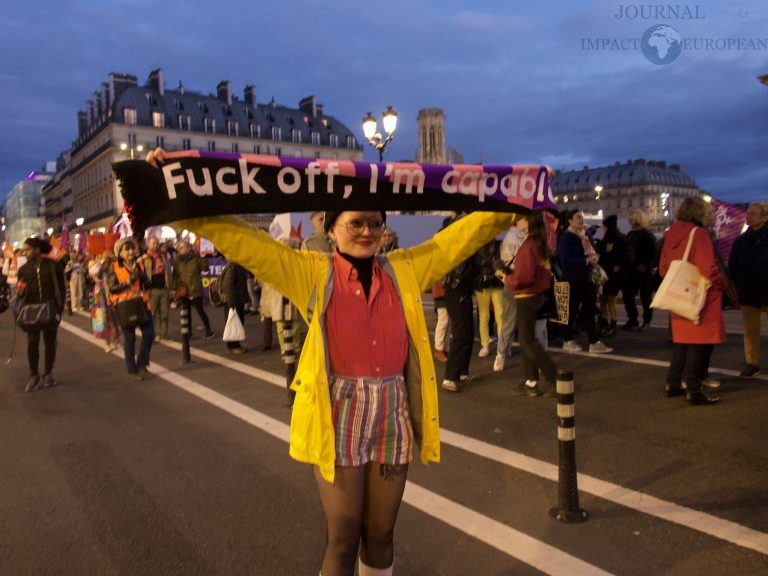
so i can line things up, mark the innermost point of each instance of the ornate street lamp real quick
(375, 139)
(131, 149)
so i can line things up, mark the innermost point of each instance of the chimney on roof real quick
(675, 167)
(250, 95)
(119, 83)
(661, 164)
(319, 109)
(308, 105)
(155, 81)
(82, 123)
(585, 168)
(223, 92)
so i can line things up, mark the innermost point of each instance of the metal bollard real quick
(568, 491)
(289, 350)
(186, 331)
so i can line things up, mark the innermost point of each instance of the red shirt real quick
(366, 338)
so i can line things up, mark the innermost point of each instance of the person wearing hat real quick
(41, 280)
(612, 251)
(127, 280)
(365, 384)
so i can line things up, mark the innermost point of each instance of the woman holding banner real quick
(365, 383)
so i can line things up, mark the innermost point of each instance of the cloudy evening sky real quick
(520, 82)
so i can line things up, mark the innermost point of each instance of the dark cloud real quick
(514, 79)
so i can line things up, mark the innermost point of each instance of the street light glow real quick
(375, 139)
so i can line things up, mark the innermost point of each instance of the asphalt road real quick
(188, 473)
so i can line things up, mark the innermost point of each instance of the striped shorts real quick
(371, 420)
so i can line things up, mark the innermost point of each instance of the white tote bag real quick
(233, 331)
(683, 290)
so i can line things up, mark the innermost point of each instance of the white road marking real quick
(457, 516)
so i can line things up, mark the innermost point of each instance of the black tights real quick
(33, 348)
(360, 512)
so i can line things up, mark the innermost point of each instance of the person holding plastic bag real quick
(694, 342)
(234, 294)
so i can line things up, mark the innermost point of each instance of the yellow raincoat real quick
(306, 278)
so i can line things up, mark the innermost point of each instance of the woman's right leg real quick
(343, 503)
(129, 350)
(33, 351)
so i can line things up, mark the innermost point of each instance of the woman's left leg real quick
(384, 492)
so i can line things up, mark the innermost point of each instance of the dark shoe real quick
(526, 390)
(210, 335)
(645, 326)
(49, 381)
(700, 399)
(750, 371)
(32, 383)
(137, 376)
(630, 324)
(238, 350)
(671, 391)
(144, 373)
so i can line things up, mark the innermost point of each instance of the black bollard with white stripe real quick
(289, 349)
(568, 491)
(186, 333)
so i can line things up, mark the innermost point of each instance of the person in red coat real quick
(694, 343)
(529, 281)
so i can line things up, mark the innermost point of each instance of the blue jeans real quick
(134, 362)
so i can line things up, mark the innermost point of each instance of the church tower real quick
(432, 136)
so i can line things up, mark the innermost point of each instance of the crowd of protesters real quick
(598, 267)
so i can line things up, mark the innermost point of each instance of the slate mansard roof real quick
(223, 108)
(639, 172)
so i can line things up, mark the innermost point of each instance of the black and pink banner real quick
(194, 183)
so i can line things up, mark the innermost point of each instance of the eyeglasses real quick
(356, 227)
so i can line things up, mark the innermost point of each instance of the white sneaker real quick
(498, 363)
(571, 346)
(599, 348)
(450, 385)
(483, 352)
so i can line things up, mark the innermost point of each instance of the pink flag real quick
(729, 221)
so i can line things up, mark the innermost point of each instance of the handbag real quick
(597, 275)
(233, 331)
(34, 316)
(683, 290)
(132, 312)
